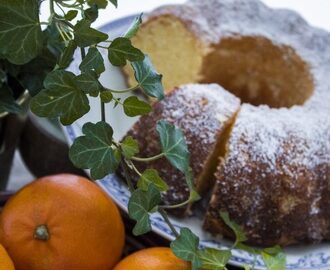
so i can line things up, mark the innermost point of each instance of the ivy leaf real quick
(67, 55)
(148, 78)
(54, 40)
(98, 3)
(94, 150)
(151, 176)
(7, 101)
(214, 259)
(140, 205)
(130, 147)
(88, 82)
(193, 196)
(106, 96)
(173, 145)
(134, 27)
(133, 107)
(93, 61)
(238, 230)
(114, 2)
(86, 36)
(91, 13)
(71, 14)
(121, 50)
(247, 248)
(274, 258)
(186, 247)
(32, 75)
(61, 98)
(21, 37)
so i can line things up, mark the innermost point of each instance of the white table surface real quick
(316, 12)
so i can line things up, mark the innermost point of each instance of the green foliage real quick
(93, 61)
(130, 147)
(106, 96)
(114, 2)
(134, 27)
(91, 13)
(88, 82)
(133, 106)
(121, 50)
(148, 78)
(86, 36)
(98, 3)
(20, 32)
(60, 98)
(67, 55)
(95, 151)
(238, 230)
(151, 176)
(274, 258)
(185, 246)
(32, 74)
(71, 14)
(173, 145)
(214, 259)
(140, 205)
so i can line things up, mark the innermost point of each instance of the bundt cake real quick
(273, 173)
(203, 113)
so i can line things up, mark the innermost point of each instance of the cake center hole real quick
(259, 72)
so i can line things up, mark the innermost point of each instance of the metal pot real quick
(11, 126)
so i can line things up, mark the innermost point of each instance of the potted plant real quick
(20, 78)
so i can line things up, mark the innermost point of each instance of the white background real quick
(316, 12)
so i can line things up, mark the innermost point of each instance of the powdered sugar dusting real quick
(277, 162)
(200, 110)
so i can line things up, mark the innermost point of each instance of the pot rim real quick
(21, 99)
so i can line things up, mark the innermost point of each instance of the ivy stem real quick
(51, 7)
(75, 5)
(117, 100)
(124, 90)
(102, 111)
(59, 6)
(125, 163)
(148, 159)
(68, 24)
(100, 46)
(131, 164)
(175, 205)
(163, 213)
(60, 31)
(83, 53)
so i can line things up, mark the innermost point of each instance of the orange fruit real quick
(5, 261)
(62, 222)
(158, 258)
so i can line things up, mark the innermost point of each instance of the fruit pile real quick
(66, 222)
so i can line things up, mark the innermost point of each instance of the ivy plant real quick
(35, 54)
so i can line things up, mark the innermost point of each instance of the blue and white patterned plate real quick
(309, 257)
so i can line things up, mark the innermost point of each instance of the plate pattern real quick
(312, 257)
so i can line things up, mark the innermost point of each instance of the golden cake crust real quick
(202, 113)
